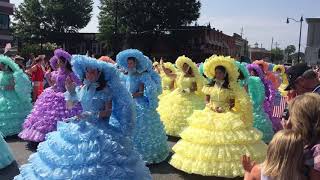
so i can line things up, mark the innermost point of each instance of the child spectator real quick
(284, 159)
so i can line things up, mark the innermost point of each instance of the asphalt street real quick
(162, 171)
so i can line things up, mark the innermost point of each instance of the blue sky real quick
(260, 19)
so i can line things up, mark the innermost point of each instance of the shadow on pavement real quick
(32, 146)
(165, 168)
(9, 172)
(13, 139)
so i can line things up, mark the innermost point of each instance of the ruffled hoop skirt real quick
(13, 111)
(149, 137)
(85, 150)
(214, 143)
(48, 110)
(176, 107)
(262, 122)
(6, 157)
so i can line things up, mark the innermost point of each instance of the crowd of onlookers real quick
(35, 67)
(294, 152)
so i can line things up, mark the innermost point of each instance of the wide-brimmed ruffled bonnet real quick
(264, 64)
(227, 62)
(170, 66)
(242, 67)
(257, 69)
(123, 109)
(5, 60)
(185, 60)
(143, 63)
(57, 54)
(281, 67)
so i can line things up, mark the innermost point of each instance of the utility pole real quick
(271, 50)
(241, 32)
(300, 21)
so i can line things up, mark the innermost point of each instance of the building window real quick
(4, 21)
(319, 54)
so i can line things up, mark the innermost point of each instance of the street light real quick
(41, 28)
(301, 20)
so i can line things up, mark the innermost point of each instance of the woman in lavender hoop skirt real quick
(51, 105)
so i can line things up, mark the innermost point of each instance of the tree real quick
(294, 57)
(290, 49)
(277, 55)
(27, 18)
(67, 16)
(141, 16)
(58, 16)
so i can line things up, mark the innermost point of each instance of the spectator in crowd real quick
(304, 119)
(20, 61)
(303, 79)
(30, 61)
(37, 72)
(284, 159)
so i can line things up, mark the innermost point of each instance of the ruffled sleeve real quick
(270, 95)
(243, 104)
(256, 91)
(157, 80)
(75, 79)
(150, 90)
(22, 86)
(73, 96)
(206, 90)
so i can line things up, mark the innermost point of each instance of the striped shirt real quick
(312, 157)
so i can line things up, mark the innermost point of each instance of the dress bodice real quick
(185, 82)
(166, 82)
(92, 100)
(133, 82)
(6, 79)
(219, 97)
(59, 78)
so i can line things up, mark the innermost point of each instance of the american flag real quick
(279, 106)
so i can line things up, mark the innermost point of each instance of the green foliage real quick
(47, 48)
(57, 16)
(290, 49)
(277, 55)
(138, 16)
(66, 16)
(28, 17)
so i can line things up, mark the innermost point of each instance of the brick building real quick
(6, 9)
(257, 53)
(196, 42)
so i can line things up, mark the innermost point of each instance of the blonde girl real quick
(284, 159)
(304, 119)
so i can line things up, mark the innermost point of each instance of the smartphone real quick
(285, 114)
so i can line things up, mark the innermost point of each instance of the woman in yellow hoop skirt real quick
(168, 78)
(281, 71)
(219, 135)
(176, 107)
